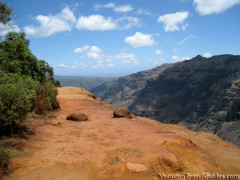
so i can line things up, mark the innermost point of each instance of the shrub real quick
(4, 159)
(17, 96)
(46, 97)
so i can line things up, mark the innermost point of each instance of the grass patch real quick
(10, 148)
(130, 152)
(115, 161)
(4, 159)
(212, 160)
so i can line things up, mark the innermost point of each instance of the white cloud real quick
(95, 55)
(81, 50)
(143, 11)
(95, 23)
(158, 52)
(6, 28)
(176, 58)
(127, 58)
(205, 7)
(171, 21)
(207, 55)
(127, 22)
(50, 25)
(110, 65)
(63, 66)
(139, 40)
(95, 49)
(191, 36)
(92, 52)
(122, 8)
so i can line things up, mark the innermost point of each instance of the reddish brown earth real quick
(107, 148)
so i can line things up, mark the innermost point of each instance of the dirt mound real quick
(104, 148)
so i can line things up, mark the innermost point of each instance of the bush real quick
(46, 98)
(17, 96)
(4, 159)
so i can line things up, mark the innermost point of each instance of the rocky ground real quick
(104, 147)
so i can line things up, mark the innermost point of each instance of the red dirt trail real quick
(106, 148)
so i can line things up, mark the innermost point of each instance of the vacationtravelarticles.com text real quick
(200, 176)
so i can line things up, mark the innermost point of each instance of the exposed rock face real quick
(120, 113)
(202, 93)
(133, 167)
(77, 117)
(125, 91)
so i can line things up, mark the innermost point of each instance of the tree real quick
(5, 13)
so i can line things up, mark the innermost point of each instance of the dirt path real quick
(108, 148)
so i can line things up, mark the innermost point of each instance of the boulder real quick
(121, 113)
(77, 117)
(133, 167)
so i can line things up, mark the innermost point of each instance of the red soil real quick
(101, 147)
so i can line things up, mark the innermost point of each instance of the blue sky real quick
(116, 38)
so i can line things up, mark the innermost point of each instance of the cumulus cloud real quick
(158, 52)
(176, 58)
(95, 22)
(6, 28)
(95, 53)
(172, 21)
(191, 36)
(122, 8)
(127, 58)
(81, 50)
(205, 7)
(100, 23)
(92, 52)
(139, 40)
(207, 55)
(52, 24)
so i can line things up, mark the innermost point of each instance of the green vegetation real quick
(26, 85)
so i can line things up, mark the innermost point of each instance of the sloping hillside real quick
(125, 91)
(108, 148)
(202, 93)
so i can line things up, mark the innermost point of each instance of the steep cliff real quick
(202, 93)
(125, 91)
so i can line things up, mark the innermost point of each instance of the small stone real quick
(133, 167)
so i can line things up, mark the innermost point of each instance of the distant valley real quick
(97, 85)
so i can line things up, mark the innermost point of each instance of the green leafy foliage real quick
(5, 13)
(46, 98)
(26, 83)
(17, 96)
